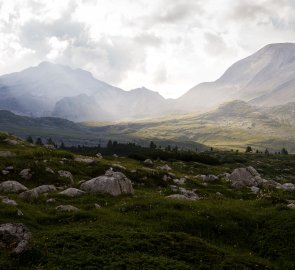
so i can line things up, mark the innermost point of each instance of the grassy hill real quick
(226, 229)
(233, 125)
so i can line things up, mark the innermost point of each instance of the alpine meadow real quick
(139, 135)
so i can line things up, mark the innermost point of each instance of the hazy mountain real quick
(58, 90)
(266, 78)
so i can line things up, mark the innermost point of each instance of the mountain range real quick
(265, 78)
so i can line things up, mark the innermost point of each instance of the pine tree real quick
(249, 149)
(284, 151)
(39, 141)
(30, 139)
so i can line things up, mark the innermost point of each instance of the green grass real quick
(238, 230)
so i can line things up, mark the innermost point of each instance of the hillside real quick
(266, 78)
(174, 219)
(233, 125)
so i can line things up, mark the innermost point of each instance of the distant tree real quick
(115, 143)
(62, 145)
(39, 141)
(284, 151)
(109, 144)
(153, 145)
(197, 149)
(266, 152)
(175, 149)
(168, 147)
(211, 149)
(249, 149)
(257, 152)
(50, 142)
(30, 139)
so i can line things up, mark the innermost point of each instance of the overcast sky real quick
(165, 45)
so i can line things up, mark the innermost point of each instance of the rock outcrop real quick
(245, 177)
(113, 183)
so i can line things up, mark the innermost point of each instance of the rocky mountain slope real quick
(265, 78)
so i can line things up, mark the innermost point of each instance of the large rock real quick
(245, 177)
(45, 189)
(7, 154)
(15, 238)
(113, 183)
(29, 195)
(11, 142)
(26, 174)
(72, 192)
(148, 162)
(12, 186)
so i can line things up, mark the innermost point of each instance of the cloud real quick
(165, 45)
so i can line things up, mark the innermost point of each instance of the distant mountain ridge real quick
(265, 78)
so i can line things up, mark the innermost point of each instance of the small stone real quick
(19, 213)
(4, 172)
(9, 202)
(72, 192)
(97, 206)
(66, 208)
(51, 200)
(291, 206)
(26, 174)
(49, 170)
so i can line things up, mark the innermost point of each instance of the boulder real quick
(255, 190)
(182, 197)
(9, 201)
(210, 178)
(4, 172)
(72, 192)
(14, 238)
(7, 154)
(180, 181)
(148, 162)
(113, 183)
(288, 186)
(47, 169)
(291, 206)
(99, 155)
(49, 146)
(44, 189)
(9, 168)
(66, 208)
(26, 174)
(165, 168)
(85, 160)
(245, 176)
(12, 186)
(66, 174)
(29, 195)
(189, 194)
(51, 200)
(11, 142)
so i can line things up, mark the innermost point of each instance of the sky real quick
(167, 46)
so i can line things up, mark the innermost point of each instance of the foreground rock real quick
(34, 193)
(67, 208)
(12, 186)
(245, 177)
(72, 192)
(7, 154)
(113, 183)
(14, 238)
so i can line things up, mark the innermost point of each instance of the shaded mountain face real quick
(57, 90)
(265, 78)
